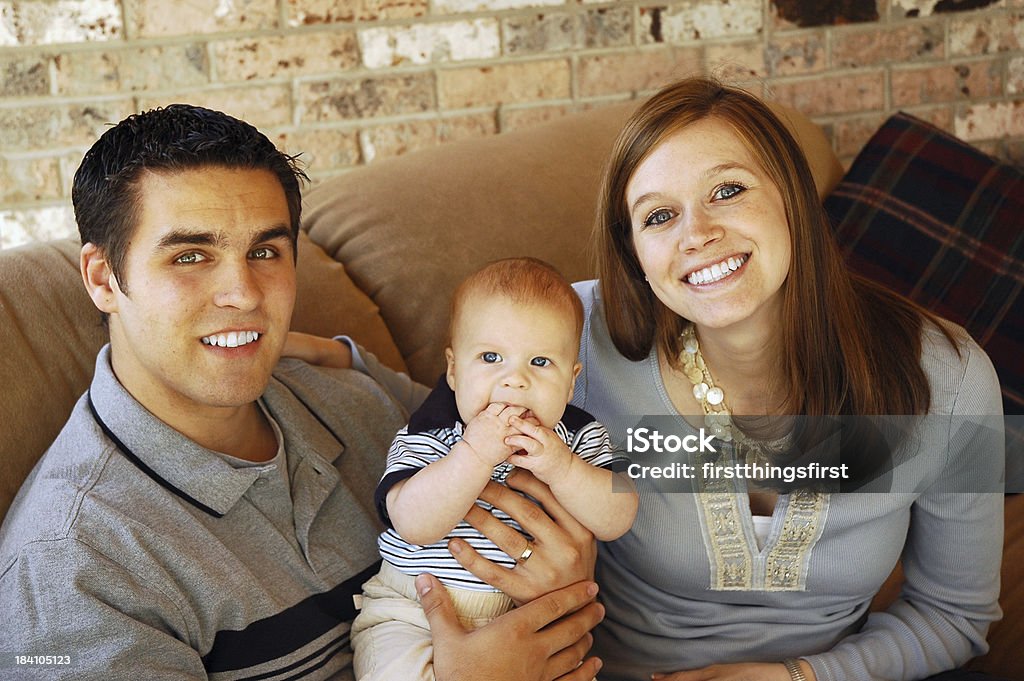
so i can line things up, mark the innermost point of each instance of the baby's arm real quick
(426, 506)
(585, 490)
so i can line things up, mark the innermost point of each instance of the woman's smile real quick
(705, 276)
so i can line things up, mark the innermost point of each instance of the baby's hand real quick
(545, 454)
(486, 432)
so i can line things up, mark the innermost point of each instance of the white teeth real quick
(719, 270)
(232, 339)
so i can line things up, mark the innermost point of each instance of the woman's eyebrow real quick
(643, 198)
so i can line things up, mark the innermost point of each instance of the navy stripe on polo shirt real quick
(300, 630)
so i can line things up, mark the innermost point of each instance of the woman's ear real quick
(99, 279)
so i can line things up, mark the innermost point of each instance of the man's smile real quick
(231, 339)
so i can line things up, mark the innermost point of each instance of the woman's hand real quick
(770, 671)
(317, 350)
(541, 641)
(564, 550)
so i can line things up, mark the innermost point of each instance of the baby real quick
(515, 333)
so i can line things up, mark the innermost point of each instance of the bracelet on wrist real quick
(795, 672)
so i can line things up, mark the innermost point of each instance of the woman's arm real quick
(952, 555)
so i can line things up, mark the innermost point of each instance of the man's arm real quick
(63, 600)
(544, 639)
(343, 353)
(541, 641)
(564, 551)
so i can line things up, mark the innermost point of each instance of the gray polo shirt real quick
(133, 553)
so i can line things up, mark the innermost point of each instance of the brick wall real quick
(350, 81)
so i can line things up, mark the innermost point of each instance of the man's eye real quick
(540, 362)
(490, 357)
(190, 258)
(263, 253)
(658, 217)
(730, 190)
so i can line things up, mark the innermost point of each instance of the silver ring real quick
(525, 555)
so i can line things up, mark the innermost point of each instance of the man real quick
(207, 511)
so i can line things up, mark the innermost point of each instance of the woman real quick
(722, 291)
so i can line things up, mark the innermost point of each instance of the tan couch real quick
(387, 245)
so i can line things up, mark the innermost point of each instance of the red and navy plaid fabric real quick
(942, 223)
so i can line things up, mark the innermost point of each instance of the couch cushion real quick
(409, 229)
(328, 303)
(50, 333)
(942, 223)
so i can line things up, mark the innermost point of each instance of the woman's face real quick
(710, 229)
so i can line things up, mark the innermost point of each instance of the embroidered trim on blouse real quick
(735, 566)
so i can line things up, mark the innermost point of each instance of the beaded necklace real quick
(717, 417)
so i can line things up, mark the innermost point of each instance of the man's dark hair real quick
(177, 137)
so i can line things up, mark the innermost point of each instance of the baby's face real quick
(523, 355)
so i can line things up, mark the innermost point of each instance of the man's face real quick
(210, 286)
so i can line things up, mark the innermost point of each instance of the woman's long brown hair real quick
(850, 345)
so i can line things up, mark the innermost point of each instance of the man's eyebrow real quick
(272, 233)
(186, 237)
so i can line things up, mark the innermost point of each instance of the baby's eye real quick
(658, 217)
(490, 357)
(190, 258)
(729, 190)
(540, 362)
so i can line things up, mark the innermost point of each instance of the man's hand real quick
(317, 350)
(564, 551)
(540, 641)
(770, 671)
(543, 453)
(486, 432)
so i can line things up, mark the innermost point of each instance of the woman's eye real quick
(490, 357)
(540, 361)
(189, 258)
(658, 217)
(263, 253)
(728, 191)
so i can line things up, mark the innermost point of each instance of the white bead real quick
(690, 345)
(715, 396)
(700, 390)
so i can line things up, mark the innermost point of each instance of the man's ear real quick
(449, 356)
(100, 283)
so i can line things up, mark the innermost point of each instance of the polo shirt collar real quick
(192, 472)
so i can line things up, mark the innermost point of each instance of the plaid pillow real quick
(942, 223)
